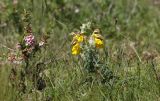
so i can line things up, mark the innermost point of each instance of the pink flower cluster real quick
(29, 40)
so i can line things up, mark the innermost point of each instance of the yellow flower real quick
(96, 34)
(98, 39)
(76, 49)
(79, 38)
(99, 43)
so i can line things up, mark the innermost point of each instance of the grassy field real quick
(129, 63)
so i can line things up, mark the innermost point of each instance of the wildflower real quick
(76, 49)
(96, 39)
(29, 40)
(78, 37)
(91, 41)
(85, 26)
(77, 10)
(41, 43)
(99, 43)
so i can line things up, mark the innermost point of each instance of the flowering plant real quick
(26, 51)
(29, 40)
(87, 46)
(80, 41)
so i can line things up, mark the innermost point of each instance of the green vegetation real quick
(129, 62)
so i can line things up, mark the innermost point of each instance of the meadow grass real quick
(132, 35)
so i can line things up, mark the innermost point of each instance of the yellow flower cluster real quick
(95, 39)
(78, 38)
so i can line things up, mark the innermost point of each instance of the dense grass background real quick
(132, 32)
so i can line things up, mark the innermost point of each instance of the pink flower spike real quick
(29, 40)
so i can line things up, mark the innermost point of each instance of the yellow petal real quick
(97, 36)
(99, 43)
(79, 38)
(76, 49)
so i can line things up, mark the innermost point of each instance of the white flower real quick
(41, 43)
(91, 41)
(76, 10)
